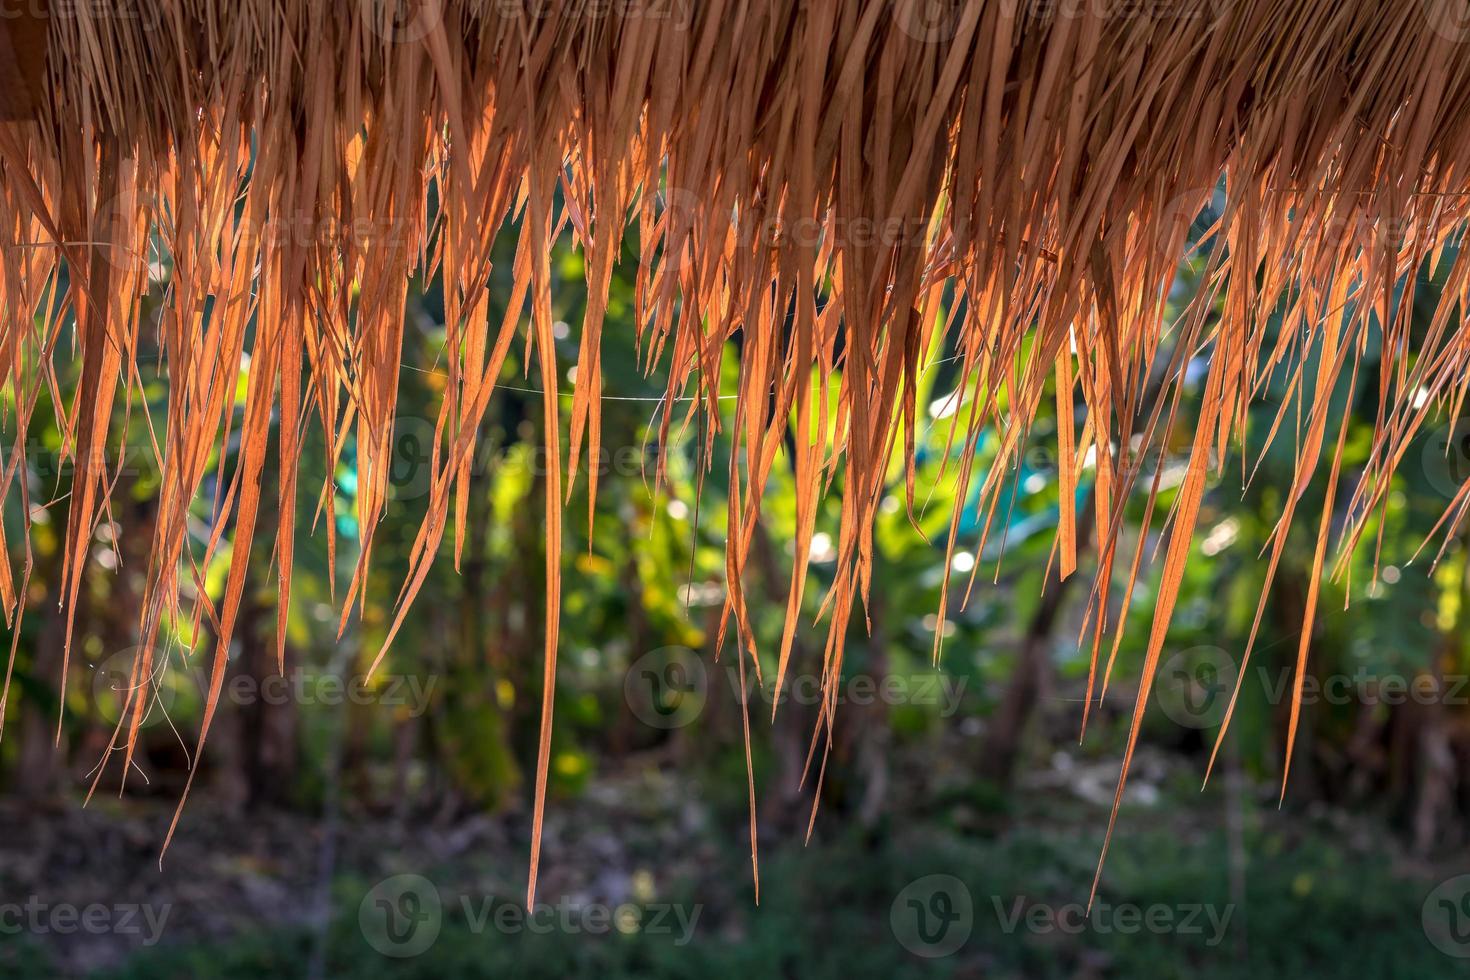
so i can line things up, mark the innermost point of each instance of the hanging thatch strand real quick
(811, 175)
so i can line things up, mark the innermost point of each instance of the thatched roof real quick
(811, 175)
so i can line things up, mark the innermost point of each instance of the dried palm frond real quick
(845, 185)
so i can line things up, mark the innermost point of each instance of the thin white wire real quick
(651, 398)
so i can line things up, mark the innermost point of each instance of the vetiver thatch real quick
(810, 174)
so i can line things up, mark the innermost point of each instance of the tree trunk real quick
(1001, 747)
